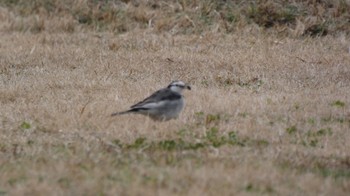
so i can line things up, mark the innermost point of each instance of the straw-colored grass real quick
(267, 115)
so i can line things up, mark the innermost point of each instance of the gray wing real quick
(160, 95)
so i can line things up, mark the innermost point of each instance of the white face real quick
(178, 86)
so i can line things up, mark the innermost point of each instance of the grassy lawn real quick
(268, 113)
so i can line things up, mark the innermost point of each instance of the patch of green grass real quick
(25, 125)
(271, 14)
(16, 180)
(338, 103)
(318, 29)
(138, 143)
(117, 142)
(313, 142)
(232, 137)
(176, 144)
(229, 15)
(320, 132)
(3, 147)
(30, 142)
(250, 187)
(199, 113)
(330, 166)
(289, 14)
(296, 106)
(212, 118)
(205, 83)
(311, 121)
(335, 173)
(209, 119)
(182, 132)
(340, 120)
(261, 142)
(212, 138)
(330, 119)
(225, 81)
(167, 144)
(243, 114)
(253, 83)
(63, 149)
(312, 138)
(64, 182)
(291, 130)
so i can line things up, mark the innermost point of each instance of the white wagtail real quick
(163, 105)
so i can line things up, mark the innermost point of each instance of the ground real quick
(267, 114)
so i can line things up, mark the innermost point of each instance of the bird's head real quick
(178, 86)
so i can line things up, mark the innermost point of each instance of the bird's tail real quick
(133, 110)
(121, 113)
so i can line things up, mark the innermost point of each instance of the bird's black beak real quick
(188, 87)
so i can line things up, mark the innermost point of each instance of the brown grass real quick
(286, 100)
(267, 115)
(294, 18)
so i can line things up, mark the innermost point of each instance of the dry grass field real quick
(268, 114)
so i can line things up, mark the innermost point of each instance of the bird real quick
(163, 105)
